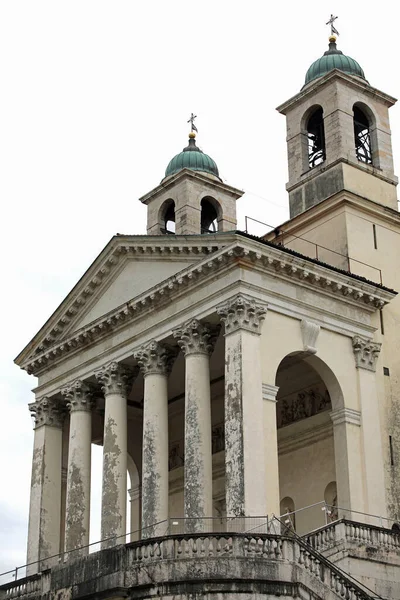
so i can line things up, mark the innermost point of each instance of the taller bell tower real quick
(338, 135)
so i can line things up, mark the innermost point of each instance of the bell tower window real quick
(168, 220)
(362, 136)
(316, 138)
(209, 216)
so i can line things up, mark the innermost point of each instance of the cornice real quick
(242, 252)
(337, 75)
(98, 276)
(202, 178)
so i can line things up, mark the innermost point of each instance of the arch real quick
(325, 373)
(210, 214)
(167, 217)
(313, 127)
(287, 513)
(330, 498)
(364, 124)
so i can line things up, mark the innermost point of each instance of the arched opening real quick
(316, 138)
(306, 451)
(168, 217)
(362, 135)
(209, 215)
(288, 514)
(330, 497)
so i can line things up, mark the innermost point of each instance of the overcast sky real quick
(94, 103)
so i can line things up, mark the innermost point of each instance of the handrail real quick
(282, 232)
(353, 581)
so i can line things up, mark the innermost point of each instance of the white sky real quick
(94, 103)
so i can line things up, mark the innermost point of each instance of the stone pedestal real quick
(45, 502)
(79, 464)
(115, 380)
(197, 342)
(155, 361)
(244, 434)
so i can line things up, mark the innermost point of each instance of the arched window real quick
(209, 216)
(330, 497)
(316, 138)
(288, 514)
(362, 136)
(168, 217)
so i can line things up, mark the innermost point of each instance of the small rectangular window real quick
(391, 451)
(374, 233)
(386, 371)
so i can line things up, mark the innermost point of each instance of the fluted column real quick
(197, 341)
(79, 402)
(245, 465)
(115, 380)
(155, 361)
(45, 501)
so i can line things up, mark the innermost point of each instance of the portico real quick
(216, 370)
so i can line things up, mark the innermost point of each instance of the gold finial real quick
(192, 135)
(332, 38)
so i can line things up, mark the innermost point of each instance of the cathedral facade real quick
(244, 390)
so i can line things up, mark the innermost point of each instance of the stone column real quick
(348, 462)
(77, 520)
(366, 354)
(197, 341)
(155, 361)
(269, 393)
(115, 381)
(45, 501)
(244, 431)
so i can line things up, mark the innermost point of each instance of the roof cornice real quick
(243, 251)
(338, 75)
(202, 178)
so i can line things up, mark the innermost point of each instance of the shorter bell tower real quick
(191, 199)
(338, 135)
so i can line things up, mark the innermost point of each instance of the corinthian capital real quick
(197, 338)
(242, 312)
(47, 411)
(366, 353)
(78, 395)
(155, 358)
(115, 379)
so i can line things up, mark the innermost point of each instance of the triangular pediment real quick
(126, 268)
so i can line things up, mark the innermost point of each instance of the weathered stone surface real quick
(195, 337)
(47, 411)
(242, 312)
(156, 358)
(366, 353)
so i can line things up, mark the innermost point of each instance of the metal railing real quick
(318, 251)
(262, 525)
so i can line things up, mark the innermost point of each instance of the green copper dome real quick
(333, 59)
(192, 158)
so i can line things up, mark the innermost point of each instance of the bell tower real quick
(338, 135)
(191, 199)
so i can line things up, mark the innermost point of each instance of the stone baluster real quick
(197, 341)
(79, 402)
(45, 501)
(155, 361)
(115, 380)
(244, 423)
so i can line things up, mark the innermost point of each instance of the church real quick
(244, 390)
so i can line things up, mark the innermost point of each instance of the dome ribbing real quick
(192, 158)
(333, 59)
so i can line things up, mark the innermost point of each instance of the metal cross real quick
(331, 21)
(191, 121)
